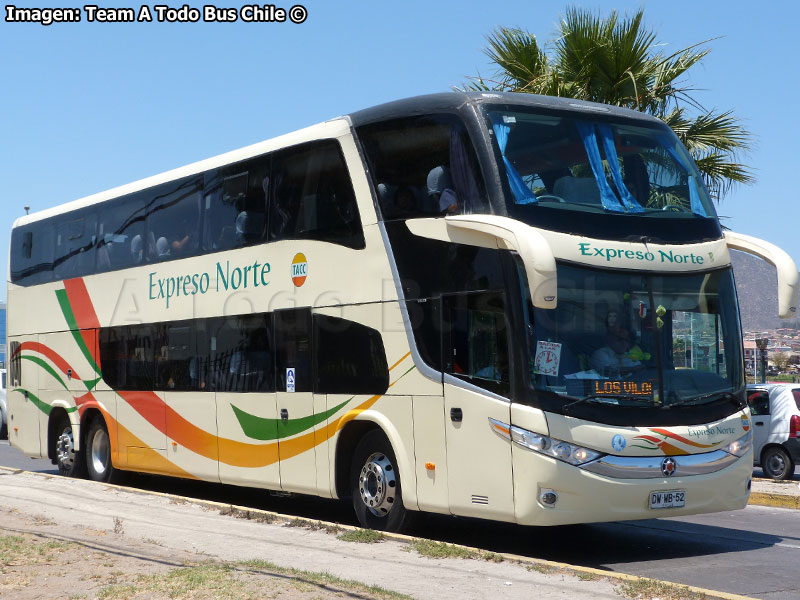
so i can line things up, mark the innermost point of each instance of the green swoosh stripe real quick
(42, 406)
(41, 362)
(69, 316)
(263, 429)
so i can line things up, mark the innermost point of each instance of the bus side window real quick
(32, 253)
(350, 358)
(173, 219)
(126, 354)
(240, 354)
(475, 340)
(120, 233)
(75, 244)
(313, 197)
(235, 204)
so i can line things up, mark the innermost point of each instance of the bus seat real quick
(577, 190)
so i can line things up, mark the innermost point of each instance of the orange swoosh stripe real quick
(51, 355)
(681, 439)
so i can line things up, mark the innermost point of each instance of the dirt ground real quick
(39, 559)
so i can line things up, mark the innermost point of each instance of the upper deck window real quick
(423, 166)
(560, 164)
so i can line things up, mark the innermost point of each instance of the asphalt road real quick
(754, 552)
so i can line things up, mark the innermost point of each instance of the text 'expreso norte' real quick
(191, 284)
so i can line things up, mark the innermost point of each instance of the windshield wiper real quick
(600, 399)
(722, 394)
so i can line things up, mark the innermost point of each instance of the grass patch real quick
(543, 569)
(325, 580)
(314, 526)
(650, 588)
(433, 549)
(362, 536)
(200, 581)
(258, 517)
(19, 550)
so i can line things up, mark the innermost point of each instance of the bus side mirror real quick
(490, 231)
(786, 267)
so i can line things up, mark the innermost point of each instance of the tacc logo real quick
(299, 269)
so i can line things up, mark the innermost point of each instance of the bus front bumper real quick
(585, 497)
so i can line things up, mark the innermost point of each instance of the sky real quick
(85, 107)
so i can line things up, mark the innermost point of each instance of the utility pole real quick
(761, 344)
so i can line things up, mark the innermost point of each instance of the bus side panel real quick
(478, 460)
(248, 439)
(430, 454)
(24, 407)
(192, 442)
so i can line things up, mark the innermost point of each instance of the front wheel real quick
(98, 454)
(68, 461)
(777, 464)
(375, 485)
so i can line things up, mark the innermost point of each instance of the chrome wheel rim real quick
(377, 484)
(65, 449)
(99, 452)
(776, 465)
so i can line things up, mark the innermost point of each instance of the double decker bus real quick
(500, 306)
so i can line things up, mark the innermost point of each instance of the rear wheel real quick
(375, 485)
(68, 461)
(98, 454)
(777, 464)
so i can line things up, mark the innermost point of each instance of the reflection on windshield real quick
(637, 339)
(594, 165)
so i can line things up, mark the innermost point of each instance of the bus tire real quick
(375, 485)
(69, 462)
(97, 451)
(776, 463)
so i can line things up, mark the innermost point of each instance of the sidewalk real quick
(783, 494)
(128, 532)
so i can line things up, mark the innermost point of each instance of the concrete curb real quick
(246, 512)
(776, 500)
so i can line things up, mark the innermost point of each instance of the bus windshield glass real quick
(639, 340)
(560, 164)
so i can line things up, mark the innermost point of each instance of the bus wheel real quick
(98, 454)
(375, 485)
(776, 463)
(69, 462)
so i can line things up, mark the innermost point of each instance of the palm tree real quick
(619, 61)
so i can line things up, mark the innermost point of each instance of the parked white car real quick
(776, 427)
(3, 406)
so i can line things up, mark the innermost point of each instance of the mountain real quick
(757, 287)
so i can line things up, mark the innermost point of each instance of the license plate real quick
(669, 499)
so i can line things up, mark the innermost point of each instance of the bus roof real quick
(448, 101)
(456, 100)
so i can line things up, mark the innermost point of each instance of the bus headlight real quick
(741, 446)
(558, 449)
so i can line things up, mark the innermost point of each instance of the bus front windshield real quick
(637, 339)
(606, 175)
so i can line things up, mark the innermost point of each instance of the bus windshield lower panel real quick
(637, 341)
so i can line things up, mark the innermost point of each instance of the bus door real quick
(293, 376)
(24, 406)
(238, 358)
(191, 410)
(476, 378)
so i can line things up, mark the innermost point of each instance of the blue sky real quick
(89, 106)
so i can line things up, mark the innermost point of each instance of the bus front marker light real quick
(741, 446)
